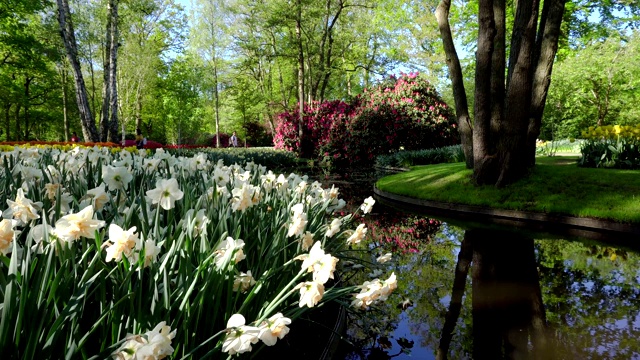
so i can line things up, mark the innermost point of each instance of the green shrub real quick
(447, 154)
(608, 153)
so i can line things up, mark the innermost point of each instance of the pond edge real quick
(577, 226)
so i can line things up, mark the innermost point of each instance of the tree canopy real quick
(247, 61)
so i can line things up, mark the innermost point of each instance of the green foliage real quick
(407, 158)
(607, 153)
(551, 148)
(597, 85)
(277, 160)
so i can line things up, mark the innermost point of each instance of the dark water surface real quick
(496, 294)
(490, 295)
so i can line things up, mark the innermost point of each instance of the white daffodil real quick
(51, 190)
(298, 220)
(311, 292)
(384, 258)
(357, 235)
(39, 234)
(158, 345)
(367, 205)
(98, 196)
(152, 345)
(227, 249)
(22, 209)
(306, 241)
(243, 282)
(239, 336)
(116, 178)
(199, 221)
(322, 265)
(7, 235)
(333, 228)
(81, 224)
(121, 242)
(242, 197)
(166, 193)
(273, 329)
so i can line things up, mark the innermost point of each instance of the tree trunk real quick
(507, 304)
(301, 125)
(455, 304)
(113, 71)
(484, 160)
(18, 130)
(216, 96)
(546, 49)
(457, 82)
(7, 121)
(106, 72)
(63, 81)
(89, 130)
(513, 128)
(27, 84)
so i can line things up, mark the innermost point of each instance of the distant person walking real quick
(74, 137)
(233, 141)
(141, 141)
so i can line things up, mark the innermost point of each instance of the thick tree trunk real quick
(484, 159)
(513, 128)
(507, 304)
(455, 74)
(546, 49)
(113, 71)
(497, 71)
(89, 130)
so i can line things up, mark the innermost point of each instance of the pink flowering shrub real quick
(404, 112)
(402, 235)
(320, 119)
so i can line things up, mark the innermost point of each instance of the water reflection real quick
(496, 295)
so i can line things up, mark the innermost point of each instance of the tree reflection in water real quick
(476, 294)
(507, 308)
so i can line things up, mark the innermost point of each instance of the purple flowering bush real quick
(400, 113)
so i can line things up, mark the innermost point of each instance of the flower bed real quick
(126, 254)
(611, 146)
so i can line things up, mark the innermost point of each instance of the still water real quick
(487, 294)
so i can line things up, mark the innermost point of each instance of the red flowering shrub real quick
(402, 234)
(404, 112)
(319, 119)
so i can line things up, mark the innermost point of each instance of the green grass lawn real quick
(556, 186)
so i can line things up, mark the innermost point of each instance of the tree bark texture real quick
(508, 116)
(546, 49)
(89, 130)
(513, 129)
(106, 83)
(484, 160)
(455, 73)
(301, 125)
(113, 71)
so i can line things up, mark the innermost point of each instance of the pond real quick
(491, 294)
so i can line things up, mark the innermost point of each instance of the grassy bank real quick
(556, 186)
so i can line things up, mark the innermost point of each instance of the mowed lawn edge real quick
(556, 185)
